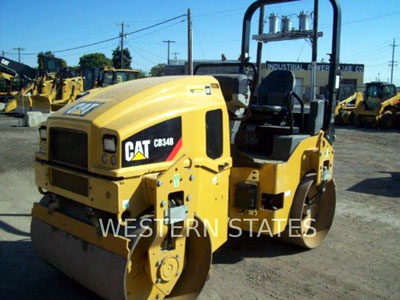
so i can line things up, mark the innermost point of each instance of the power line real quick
(219, 12)
(113, 38)
(151, 53)
(372, 18)
(379, 47)
(198, 41)
(364, 20)
(154, 31)
(142, 56)
(126, 41)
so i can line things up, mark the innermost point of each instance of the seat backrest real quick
(275, 88)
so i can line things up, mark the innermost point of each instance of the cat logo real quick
(82, 109)
(138, 150)
(4, 62)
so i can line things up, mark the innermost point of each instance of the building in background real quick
(179, 67)
(352, 79)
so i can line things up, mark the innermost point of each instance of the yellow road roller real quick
(142, 180)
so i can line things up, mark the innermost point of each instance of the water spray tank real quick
(303, 21)
(286, 24)
(273, 23)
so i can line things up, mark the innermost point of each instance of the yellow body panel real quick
(147, 102)
(280, 177)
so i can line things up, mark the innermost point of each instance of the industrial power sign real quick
(299, 66)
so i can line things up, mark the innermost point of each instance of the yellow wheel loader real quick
(54, 87)
(141, 180)
(14, 77)
(345, 109)
(48, 93)
(380, 106)
(57, 92)
(96, 78)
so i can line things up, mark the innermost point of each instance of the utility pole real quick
(122, 45)
(392, 63)
(168, 42)
(3, 54)
(19, 49)
(190, 54)
(175, 56)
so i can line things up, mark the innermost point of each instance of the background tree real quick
(60, 63)
(46, 53)
(158, 70)
(94, 60)
(141, 74)
(116, 58)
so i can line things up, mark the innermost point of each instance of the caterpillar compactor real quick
(141, 180)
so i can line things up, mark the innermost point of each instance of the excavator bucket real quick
(24, 104)
(41, 103)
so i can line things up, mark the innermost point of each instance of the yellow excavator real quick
(141, 180)
(380, 106)
(345, 109)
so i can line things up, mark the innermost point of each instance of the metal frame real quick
(334, 70)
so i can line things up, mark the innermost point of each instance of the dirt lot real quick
(359, 259)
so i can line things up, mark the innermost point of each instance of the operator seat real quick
(275, 103)
(236, 91)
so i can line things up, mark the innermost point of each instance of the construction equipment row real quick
(53, 86)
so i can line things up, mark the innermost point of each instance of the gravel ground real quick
(359, 259)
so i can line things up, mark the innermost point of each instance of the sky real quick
(368, 28)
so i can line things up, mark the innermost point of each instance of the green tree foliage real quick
(158, 70)
(141, 74)
(46, 53)
(116, 58)
(94, 60)
(44, 63)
